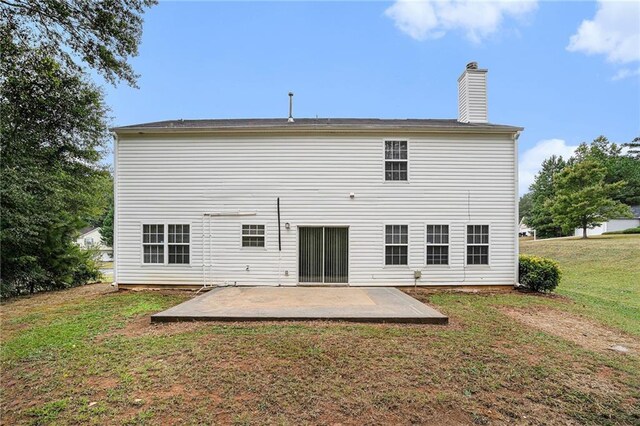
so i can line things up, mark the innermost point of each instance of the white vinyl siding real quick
(472, 97)
(454, 179)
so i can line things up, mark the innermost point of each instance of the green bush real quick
(57, 269)
(625, 231)
(538, 273)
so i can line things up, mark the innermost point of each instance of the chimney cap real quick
(472, 66)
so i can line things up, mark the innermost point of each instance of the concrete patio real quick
(355, 304)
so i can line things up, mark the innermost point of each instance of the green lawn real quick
(90, 356)
(601, 274)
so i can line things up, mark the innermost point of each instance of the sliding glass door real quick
(323, 255)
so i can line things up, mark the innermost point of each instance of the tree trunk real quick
(584, 230)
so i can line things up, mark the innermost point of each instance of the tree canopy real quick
(583, 199)
(542, 190)
(620, 173)
(101, 34)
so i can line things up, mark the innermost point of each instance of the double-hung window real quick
(178, 244)
(437, 244)
(396, 163)
(396, 248)
(252, 235)
(153, 243)
(477, 244)
(172, 248)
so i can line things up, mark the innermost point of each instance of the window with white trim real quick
(396, 162)
(252, 235)
(178, 236)
(153, 243)
(477, 244)
(437, 244)
(396, 245)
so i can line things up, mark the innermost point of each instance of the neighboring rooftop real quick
(314, 123)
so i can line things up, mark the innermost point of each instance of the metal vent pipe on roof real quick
(290, 120)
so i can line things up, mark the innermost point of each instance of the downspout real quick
(279, 243)
(516, 190)
(115, 210)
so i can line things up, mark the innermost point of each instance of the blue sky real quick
(566, 71)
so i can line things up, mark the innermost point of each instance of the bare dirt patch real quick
(578, 330)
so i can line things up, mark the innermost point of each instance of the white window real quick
(437, 244)
(179, 244)
(477, 244)
(396, 248)
(158, 248)
(88, 241)
(252, 235)
(153, 243)
(395, 160)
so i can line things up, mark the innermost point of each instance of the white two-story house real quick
(359, 202)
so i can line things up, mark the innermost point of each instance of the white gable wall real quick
(453, 180)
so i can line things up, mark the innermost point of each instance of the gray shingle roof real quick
(315, 123)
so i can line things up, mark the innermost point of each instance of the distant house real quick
(315, 201)
(90, 237)
(614, 224)
(523, 229)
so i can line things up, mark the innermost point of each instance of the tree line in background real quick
(599, 182)
(54, 133)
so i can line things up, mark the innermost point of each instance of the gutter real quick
(313, 130)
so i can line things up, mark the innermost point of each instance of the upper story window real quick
(477, 244)
(396, 162)
(153, 243)
(437, 244)
(178, 243)
(252, 235)
(396, 245)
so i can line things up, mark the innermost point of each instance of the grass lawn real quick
(601, 274)
(106, 265)
(90, 356)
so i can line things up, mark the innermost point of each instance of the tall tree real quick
(53, 131)
(106, 229)
(583, 199)
(543, 189)
(525, 206)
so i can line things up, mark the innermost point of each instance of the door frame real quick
(348, 227)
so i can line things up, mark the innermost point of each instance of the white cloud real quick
(424, 20)
(614, 31)
(626, 73)
(530, 161)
